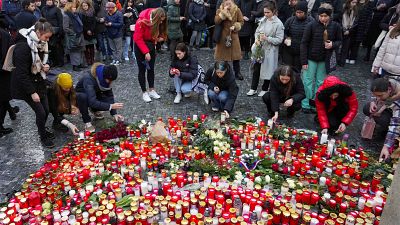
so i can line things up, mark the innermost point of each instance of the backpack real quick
(8, 61)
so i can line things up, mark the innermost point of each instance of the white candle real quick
(270, 123)
(143, 188)
(81, 135)
(361, 203)
(322, 181)
(246, 209)
(314, 221)
(258, 210)
(195, 117)
(324, 138)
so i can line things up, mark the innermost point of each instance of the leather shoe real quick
(5, 131)
(239, 76)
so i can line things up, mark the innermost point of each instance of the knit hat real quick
(110, 72)
(322, 10)
(64, 80)
(302, 6)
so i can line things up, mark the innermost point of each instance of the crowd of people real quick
(293, 46)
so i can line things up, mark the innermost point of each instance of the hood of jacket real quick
(331, 85)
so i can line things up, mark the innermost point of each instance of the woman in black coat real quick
(28, 81)
(365, 11)
(390, 18)
(197, 21)
(247, 30)
(89, 26)
(211, 10)
(286, 87)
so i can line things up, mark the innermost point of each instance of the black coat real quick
(54, 16)
(128, 21)
(197, 13)
(89, 24)
(25, 19)
(211, 10)
(285, 11)
(226, 83)
(312, 45)
(246, 6)
(294, 28)
(23, 82)
(5, 77)
(278, 91)
(187, 67)
(374, 29)
(390, 19)
(365, 12)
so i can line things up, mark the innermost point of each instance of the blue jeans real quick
(127, 46)
(218, 100)
(182, 87)
(103, 44)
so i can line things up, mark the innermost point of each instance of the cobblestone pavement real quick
(21, 152)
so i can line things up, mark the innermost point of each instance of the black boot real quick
(47, 142)
(13, 112)
(246, 56)
(239, 76)
(5, 131)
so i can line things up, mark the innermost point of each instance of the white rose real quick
(291, 185)
(219, 136)
(216, 143)
(286, 135)
(390, 177)
(216, 148)
(267, 179)
(221, 144)
(143, 121)
(227, 145)
(207, 132)
(258, 180)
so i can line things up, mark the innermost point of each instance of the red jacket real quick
(331, 85)
(142, 32)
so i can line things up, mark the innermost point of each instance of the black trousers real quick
(56, 53)
(335, 117)
(140, 60)
(296, 106)
(4, 108)
(83, 105)
(256, 78)
(349, 48)
(41, 110)
(291, 58)
(245, 43)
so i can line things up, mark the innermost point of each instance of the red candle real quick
(314, 198)
(238, 151)
(306, 197)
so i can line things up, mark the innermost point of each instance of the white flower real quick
(239, 177)
(207, 132)
(292, 185)
(390, 177)
(286, 135)
(258, 180)
(143, 121)
(267, 179)
(221, 144)
(219, 135)
(216, 148)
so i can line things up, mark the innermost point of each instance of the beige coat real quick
(388, 57)
(230, 18)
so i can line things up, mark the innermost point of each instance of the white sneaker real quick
(205, 97)
(188, 95)
(146, 97)
(178, 98)
(89, 127)
(116, 63)
(352, 62)
(347, 61)
(251, 92)
(262, 93)
(113, 62)
(126, 59)
(154, 94)
(215, 109)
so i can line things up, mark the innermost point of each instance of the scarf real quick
(88, 13)
(103, 85)
(36, 46)
(348, 19)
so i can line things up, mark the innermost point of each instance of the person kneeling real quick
(62, 100)
(336, 105)
(94, 91)
(183, 70)
(286, 87)
(222, 87)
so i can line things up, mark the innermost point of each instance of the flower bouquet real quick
(257, 51)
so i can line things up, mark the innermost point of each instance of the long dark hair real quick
(183, 48)
(286, 70)
(347, 8)
(65, 100)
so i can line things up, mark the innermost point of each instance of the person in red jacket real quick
(336, 105)
(150, 28)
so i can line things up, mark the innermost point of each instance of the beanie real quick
(110, 72)
(64, 80)
(322, 10)
(302, 6)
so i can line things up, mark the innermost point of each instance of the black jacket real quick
(25, 19)
(277, 92)
(89, 24)
(294, 28)
(226, 83)
(188, 68)
(365, 12)
(128, 21)
(54, 16)
(97, 99)
(5, 77)
(246, 6)
(23, 82)
(312, 45)
(211, 10)
(285, 11)
(390, 19)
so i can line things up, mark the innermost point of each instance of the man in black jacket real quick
(26, 18)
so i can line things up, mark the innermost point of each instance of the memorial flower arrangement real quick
(257, 52)
(208, 172)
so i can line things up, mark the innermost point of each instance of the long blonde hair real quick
(159, 26)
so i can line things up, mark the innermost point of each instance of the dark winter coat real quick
(278, 91)
(365, 12)
(285, 11)
(324, 104)
(100, 11)
(23, 82)
(374, 29)
(117, 23)
(10, 10)
(128, 21)
(226, 83)
(390, 19)
(246, 6)
(89, 24)
(153, 4)
(259, 11)
(5, 77)
(25, 19)
(97, 99)
(54, 16)
(197, 13)
(211, 12)
(187, 67)
(73, 28)
(174, 22)
(294, 28)
(312, 45)
(337, 9)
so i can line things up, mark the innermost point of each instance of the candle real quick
(324, 138)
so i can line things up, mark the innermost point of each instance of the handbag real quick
(368, 128)
(217, 33)
(330, 64)
(8, 64)
(380, 38)
(228, 40)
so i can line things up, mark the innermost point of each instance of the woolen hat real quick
(110, 72)
(64, 80)
(302, 6)
(322, 10)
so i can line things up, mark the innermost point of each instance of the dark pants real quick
(4, 107)
(335, 117)
(210, 39)
(245, 43)
(236, 67)
(291, 58)
(102, 44)
(172, 46)
(296, 106)
(349, 48)
(383, 120)
(56, 53)
(140, 60)
(89, 54)
(256, 78)
(83, 105)
(41, 110)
